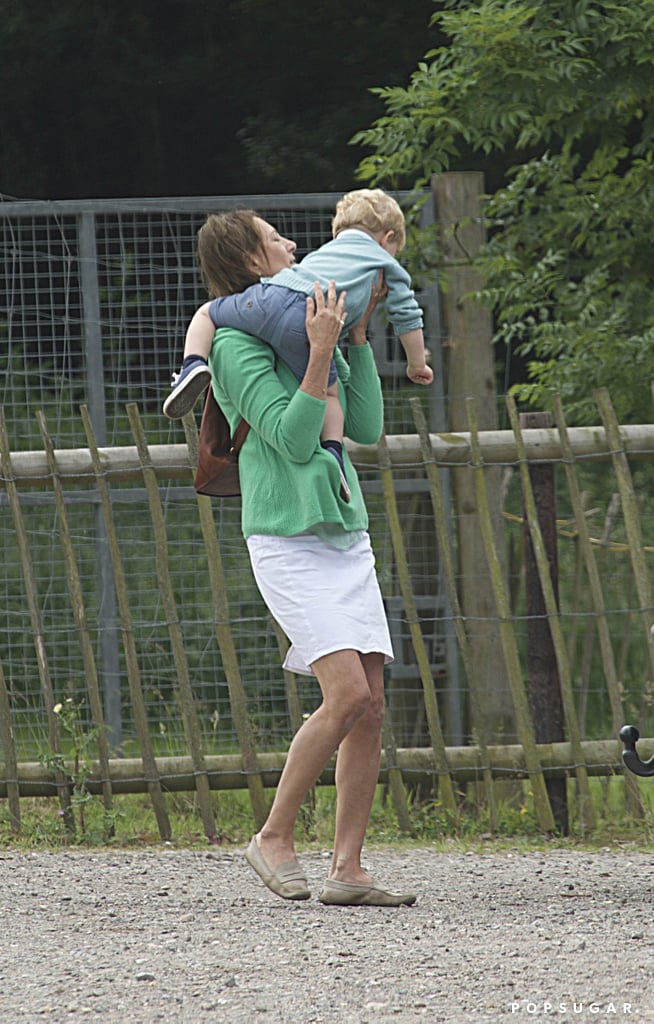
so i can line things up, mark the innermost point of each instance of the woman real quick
(310, 552)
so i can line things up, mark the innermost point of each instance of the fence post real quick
(595, 586)
(95, 387)
(11, 763)
(78, 609)
(554, 624)
(634, 535)
(184, 688)
(542, 670)
(525, 726)
(470, 373)
(36, 621)
(237, 694)
(445, 785)
(129, 646)
(475, 689)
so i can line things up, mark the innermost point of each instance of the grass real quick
(134, 824)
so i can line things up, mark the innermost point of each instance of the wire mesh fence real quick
(96, 297)
(603, 612)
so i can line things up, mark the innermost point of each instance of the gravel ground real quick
(187, 936)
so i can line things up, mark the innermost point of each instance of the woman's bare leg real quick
(357, 773)
(346, 699)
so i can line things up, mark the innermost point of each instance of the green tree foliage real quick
(564, 89)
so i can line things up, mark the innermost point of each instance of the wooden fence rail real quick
(427, 455)
(171, 462)
(417, 765)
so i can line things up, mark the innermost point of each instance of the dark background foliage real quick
(188, 97)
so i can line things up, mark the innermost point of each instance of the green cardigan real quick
(288, 482)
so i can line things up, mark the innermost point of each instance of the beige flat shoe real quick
(347, 894)
(287, 880)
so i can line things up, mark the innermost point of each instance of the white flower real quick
(57, 709)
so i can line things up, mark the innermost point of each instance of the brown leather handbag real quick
(217, 470)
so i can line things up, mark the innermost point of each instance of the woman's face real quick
(275, 253)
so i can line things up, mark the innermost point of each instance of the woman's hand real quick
(324, 322)
(325, 319)
(357, 335)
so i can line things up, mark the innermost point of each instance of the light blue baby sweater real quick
(353, 260)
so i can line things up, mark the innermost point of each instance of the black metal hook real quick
(629, 735)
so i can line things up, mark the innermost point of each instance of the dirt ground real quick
(188, 936)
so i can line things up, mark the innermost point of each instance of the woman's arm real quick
(364, 417)
(364, 420)
(247, 385)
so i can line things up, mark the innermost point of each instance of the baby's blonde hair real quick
(371, 209)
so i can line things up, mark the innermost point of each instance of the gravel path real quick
(187, 936)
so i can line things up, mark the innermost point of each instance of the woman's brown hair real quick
(226, 243)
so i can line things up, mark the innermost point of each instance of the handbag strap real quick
(240, 434)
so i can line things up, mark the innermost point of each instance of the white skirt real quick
(324, 599)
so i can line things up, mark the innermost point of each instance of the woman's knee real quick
(356, 705)
(347, 690)
(374, 713)
(367, 713)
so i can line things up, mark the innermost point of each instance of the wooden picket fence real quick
(446, 767)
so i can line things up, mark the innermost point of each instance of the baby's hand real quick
(420, 374)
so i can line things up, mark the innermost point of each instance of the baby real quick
(369, 231)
